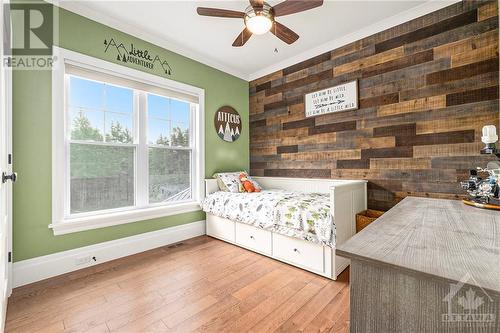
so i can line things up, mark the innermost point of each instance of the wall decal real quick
(339, 98)
(227, 123)
(141, 57)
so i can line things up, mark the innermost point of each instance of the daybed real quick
(312, 253)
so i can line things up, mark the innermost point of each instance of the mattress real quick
(305, 216)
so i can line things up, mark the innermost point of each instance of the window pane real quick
(159, 132)
(119, 128)
(102, 177)
(86, 94)
(180, 123)
(168, 121)
(158, 106)
(100, 112)
(119, 99)
(87, 125)
(169, 175)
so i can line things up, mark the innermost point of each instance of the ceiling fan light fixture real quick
(259, 25)
(259, 21)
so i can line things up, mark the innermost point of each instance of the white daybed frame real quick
(348, 197)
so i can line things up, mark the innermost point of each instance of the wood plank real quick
(290, 164)
(418, 23)
(379, 100)
(487, 11)
(400, 163)
(456, 124)
(457, 149)
(395, 130)
(308, 63)
(436, 138)
(353, 164)
(347, 49)
(369, 61)
(298, 173)
(287, 149)
(344, 154)
(329, 317)
(468, 44)
(257, 103)
(328, 128)
(403, 62)
(282, 313)
(387, 152)
(446, 37)
(461, 162)
(471, 96)
(269, 77)
(463, 72)
(417, 105)
(308, 122)
(384, 142)
(445, 25)
(480, 54)
(480, 81)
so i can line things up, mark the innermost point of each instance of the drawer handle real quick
(295, 250)
(252, 237)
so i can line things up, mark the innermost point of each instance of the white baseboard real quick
(40, 268)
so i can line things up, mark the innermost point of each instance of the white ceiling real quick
(176, 26)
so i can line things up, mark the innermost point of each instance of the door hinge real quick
(9, 158)
(9, 257)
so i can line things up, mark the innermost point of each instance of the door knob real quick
(12, 177)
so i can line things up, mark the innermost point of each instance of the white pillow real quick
(229, 181)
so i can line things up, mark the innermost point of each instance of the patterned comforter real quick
(302, 215)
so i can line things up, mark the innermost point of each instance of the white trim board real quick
(79, 8)
(40, 268)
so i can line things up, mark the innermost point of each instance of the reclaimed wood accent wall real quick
(426, 88)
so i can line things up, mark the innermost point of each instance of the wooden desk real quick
(427, 265)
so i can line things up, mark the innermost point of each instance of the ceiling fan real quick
(260, 17)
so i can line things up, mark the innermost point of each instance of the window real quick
(101, 145)
(127, 146)
(168, 149)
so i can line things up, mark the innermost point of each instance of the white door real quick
(6, 175)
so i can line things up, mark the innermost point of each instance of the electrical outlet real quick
(83, 260)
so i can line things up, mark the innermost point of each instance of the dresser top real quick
(445, 239)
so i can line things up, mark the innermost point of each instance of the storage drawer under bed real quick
(254, 238)
(298, 252)
(222, 228)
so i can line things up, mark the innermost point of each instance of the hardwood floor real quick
(201, 284)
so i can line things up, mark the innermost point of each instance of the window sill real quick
(67, 226)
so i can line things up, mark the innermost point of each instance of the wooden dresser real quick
(427, 265)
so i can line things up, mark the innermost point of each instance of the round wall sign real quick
(227, 123)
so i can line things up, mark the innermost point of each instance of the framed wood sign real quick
(227, 123)
(339, 98)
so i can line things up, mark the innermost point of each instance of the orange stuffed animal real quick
(247, 184)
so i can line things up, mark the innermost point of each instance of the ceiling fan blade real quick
(295, 6)
(283, 33)
(242, 38)
(257, 3)
(204, 11)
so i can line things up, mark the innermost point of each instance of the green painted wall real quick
(32, 138)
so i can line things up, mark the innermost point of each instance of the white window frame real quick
(62, 222)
